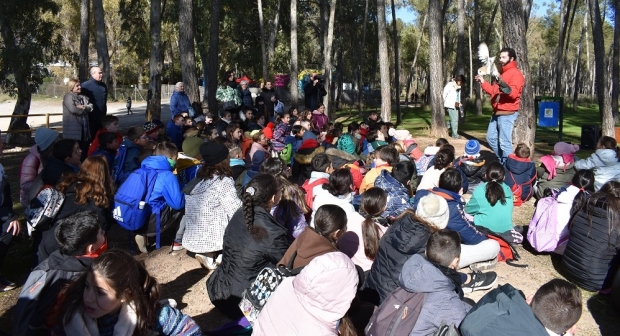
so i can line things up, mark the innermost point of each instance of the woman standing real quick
(226, 93)
(75, 109)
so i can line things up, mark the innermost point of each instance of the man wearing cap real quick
(32, 165)
(97, 92)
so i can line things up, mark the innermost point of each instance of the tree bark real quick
(327, 65)
(213, 54)
(153, 110)
(187, 51)
(604, 104)
(84, 39)
(397, 65)
(459, 64)
(273, 33)
(415, 55)
(262, 40)
(101, 40)
(514, 32)
(384, 63)
(527, 10)
(435, 54)
(559, 62)
(360, 82)
(477, 90)
(615, 71)
(578, 66)
(294, 84)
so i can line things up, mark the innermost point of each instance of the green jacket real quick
(497, 218)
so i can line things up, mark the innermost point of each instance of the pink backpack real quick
(542, 233)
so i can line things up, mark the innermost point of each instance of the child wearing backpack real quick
(110, 124)
(108, 145)
(520, 174)
(321, 169)
(127, 159)
(385, 159)
(80, 239)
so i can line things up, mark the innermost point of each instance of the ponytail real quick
(494, 191)
(371, 236)
(373, 204)
(258, 192)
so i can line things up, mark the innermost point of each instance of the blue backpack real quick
(118, 171)
(131, 207)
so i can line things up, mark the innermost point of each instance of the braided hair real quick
(258, 192)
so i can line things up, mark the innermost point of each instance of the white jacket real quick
(451, 94)
(605, 164)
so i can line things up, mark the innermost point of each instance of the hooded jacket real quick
(441, 303)
(179, 103)
(369, 179)
(31, 167)
(403, 239)
(312, 302)
(521, 171)
(302, 163)
(457, 221)
(397, 195)
(319, 120)
(322, 197)
(605, 164)
(166, 189)
(308, 246)
(498, 217)
(506, 103)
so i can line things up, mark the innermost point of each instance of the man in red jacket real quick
(505, 99)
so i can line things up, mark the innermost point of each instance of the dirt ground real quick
(182, 278)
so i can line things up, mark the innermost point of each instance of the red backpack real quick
(309, 187)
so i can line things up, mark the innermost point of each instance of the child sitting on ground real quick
(237, 165)
(604, 162)
(108, 145)
(375, 139)
(134, 142)
(385, 159)
(556, 170)
(321, 169)
(425, 161)
(443, 159)
(189, 161)
(472, 165)
(110, 124)
(397, 187)
(520, 173)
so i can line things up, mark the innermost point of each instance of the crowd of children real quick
(360, 213)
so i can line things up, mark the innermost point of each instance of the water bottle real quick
(141, 205)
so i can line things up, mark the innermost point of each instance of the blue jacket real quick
(166, 189)
(457, 222)
(97, 93)
(133, 153)
(107, 155)
(179, 103)
(397, 195)
(175, 133)
(522, 172)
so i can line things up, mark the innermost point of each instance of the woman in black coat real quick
(591, 258)
(253, 240)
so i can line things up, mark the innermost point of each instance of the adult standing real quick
(75, 116)
(97, 92)
(179, 102)
(452, 103)
(267, 92)
(244, 94)
(506, 100)
(311, 91)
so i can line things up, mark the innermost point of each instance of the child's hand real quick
(15, 227)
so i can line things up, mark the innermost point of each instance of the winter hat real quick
(308, 144)
(472, 147)
(191, 146)
(213, 153)
(562, 148)
(434, 209)
(150, 127)
(392, 132)
(268, 130)
(158, 122)
(401, 135)
(45, 137)
(257, 160)
(329, 139)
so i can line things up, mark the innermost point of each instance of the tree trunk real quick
(360, 82)
(459, 65)
(84, 39)
(153, 110)
(615, 71)
(559, 61)
(187, 51)
(213, 54)
(397, 65)
(294, 84)
(101, 40)
(273, 33)
(435, 54)
(327, 65)
(415, 54)
(578, 66)
(262, 40)
(515, 36)
(384, 63)
(604, 104)
(477, 89)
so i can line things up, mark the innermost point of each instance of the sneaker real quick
(206, 262)
(480, 281)
(6, 285)
(484, 265)
(141, 242)
(177, 246)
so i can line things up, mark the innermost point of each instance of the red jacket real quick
(95, 144)
(507, 103)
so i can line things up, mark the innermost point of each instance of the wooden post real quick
(47, 120)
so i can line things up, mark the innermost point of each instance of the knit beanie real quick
(401, 135)
(150, 127)
(45, 137)
(213, 153)
(434, 209)
(472, 147)
(308, 144)
(191, 146)
(562, 148)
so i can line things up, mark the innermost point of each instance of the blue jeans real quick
(499, 134)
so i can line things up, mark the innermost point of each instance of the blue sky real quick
(408, 16)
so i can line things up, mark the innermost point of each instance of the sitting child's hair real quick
(234, 151)
(135, 133)
(606, 142)
(389, 155)
(443, 247)
(273, 166)
(321, 162)
(340, 182)
(353, 127)
(191, 132)
(494, 191)
(584, 180)
(441, 142)
(201, 125)
(373, 204)
(105, 139)
(330, 221)
(339, 126)
(209, 132)
(75, 233)
(398, 145)
(256, 137)
(372, 135)
(444, 157)
(258, 192)
(167, 149)
(451, 180)
(522, 151)
(557, 304)
(108, 120)
(403, 171)
(296, 130)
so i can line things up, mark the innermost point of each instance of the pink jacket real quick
(312, 302)
(31, 167)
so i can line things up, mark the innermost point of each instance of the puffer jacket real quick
(473, 170)
(75, 120)
(342, 159)
(31, 167)
(605, 164)
(592, 247)
(397, 195)
(209, 206)
(520, 171)
(352, 242)
(312, 302)
(322, 197)
(166, 189)
(244, 257)
(561, 178)
(179, 103)
(403, 239)
(441, 303)
(565, 203)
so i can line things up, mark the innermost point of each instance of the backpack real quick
(507, 252)
(421, 165)
(254, 298)
(542, 230)
(309, 187)
(42, 209)
(287, 153)
(118, 170)
(131, 207)
(397, 315)
(517, 190)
